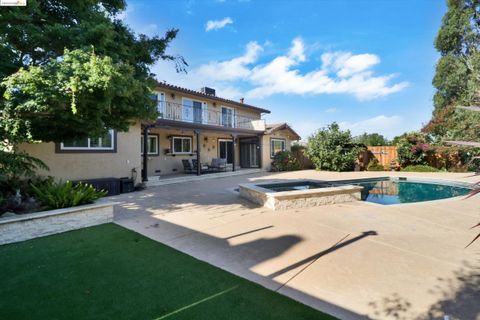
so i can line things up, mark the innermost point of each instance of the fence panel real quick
(384, 154)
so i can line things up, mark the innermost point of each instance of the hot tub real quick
(299, 194)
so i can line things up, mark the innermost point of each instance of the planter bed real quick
(38, 224)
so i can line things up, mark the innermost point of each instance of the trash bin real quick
(126, 185)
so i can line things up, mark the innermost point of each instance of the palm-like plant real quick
(475, 191)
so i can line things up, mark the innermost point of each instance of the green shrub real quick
(332, 149)
(413, 148)
(420, 168)
(285, 161)
(55, 195)
(373, 165)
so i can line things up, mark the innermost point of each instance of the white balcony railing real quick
(203, 115)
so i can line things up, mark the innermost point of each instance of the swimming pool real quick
(389, 191)
(385, 191)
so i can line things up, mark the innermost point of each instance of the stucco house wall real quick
(74, 166)
(266, 146)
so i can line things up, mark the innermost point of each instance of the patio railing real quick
(203, 114)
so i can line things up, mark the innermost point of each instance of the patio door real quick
(249, 153)
(225, 150)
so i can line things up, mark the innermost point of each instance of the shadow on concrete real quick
(316, 256)
(247, 232)
(460, 299)
(394, 307)
(460, 295)
(240, 258)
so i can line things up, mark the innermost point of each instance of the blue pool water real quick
(384, 190)
(388, 191)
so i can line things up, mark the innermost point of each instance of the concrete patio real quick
(354, 260)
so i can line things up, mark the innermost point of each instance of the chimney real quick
(241, 100)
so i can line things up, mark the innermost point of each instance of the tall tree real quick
(457, 72)
(371, 139)
(73, 69)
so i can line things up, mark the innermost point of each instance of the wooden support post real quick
(199, 165)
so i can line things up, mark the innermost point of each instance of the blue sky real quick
(366, 64)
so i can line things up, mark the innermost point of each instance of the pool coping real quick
(269, 198)
(298, 198)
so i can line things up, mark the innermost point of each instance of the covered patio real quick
(180, 150)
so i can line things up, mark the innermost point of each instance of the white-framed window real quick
(159, 98)
(181, 144)
(276, 145)
(194, 111)
(152, 142)
(228, 117)
(103, 143)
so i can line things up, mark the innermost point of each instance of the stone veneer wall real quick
(39, 224)
(299, 199)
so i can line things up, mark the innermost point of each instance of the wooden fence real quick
(384, 154)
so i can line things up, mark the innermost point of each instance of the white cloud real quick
(345, 64)
(149, 29)
(386, 125)
(246, 76)
(339, 73)
(331, 110)
(218, 24)
(236, 68)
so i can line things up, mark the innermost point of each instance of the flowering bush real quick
(413, 148)
(285, 161)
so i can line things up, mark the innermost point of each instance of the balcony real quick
(202, 114)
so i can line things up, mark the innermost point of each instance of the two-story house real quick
(192, 125)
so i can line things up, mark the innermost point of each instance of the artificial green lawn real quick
(108, 272)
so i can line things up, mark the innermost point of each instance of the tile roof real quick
(203, 95)
(272, 127)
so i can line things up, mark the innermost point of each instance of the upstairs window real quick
(159, 98)
(228, 116)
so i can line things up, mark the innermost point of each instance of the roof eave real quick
(200, 94)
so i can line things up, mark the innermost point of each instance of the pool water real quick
(397, 191)
(298, 185)
(383, 190)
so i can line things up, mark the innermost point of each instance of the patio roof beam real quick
(181, 125)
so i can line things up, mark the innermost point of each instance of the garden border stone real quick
(38, 224)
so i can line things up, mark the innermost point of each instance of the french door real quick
(225, 150)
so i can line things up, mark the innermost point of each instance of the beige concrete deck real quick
(355, 260)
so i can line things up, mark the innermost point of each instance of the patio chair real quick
(203, 169)
(187, 166)
(218, 164)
